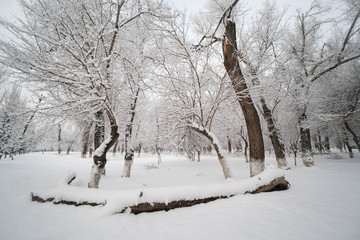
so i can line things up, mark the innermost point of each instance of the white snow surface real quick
(322, 202)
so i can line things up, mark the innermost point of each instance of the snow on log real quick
(163, 199)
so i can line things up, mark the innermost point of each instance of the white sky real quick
(9, 8)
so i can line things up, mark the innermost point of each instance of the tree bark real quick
(229, 144)
(274, 132)
(100, 157)
(129, 149)
(231, 63)
(115, 147)
(99, 133)
(59, 139)
(347, 145)
(305, 143)
(212, 138)
(355, 137)
(85, 140)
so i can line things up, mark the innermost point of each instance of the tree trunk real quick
(257, 151)
(320, 144)
(100, 157)
(327, 144)
(99, 133)
(229, 144)
(115, 147)
(214, 141)
(85, 140)
(245, 149)
(347, 145)
(355, 137)
(275, 138)
(59, 139)
(129, 149)
(305, 143)
(69, 146)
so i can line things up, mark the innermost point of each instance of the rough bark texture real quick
(277, 184)
(257, 151)
(99, 133)
(305, 143)
(274, 132)
(100, 160)
(221, 157)
(129, 149)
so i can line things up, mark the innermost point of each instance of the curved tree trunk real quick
(257, 151)
(214, 141)
(100, 157)
(355, 137)
(274, 132)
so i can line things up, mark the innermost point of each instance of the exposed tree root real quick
(277, 184)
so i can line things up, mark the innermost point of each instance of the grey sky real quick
(10, 8)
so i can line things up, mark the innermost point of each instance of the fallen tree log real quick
(39, 199)
(278, 184)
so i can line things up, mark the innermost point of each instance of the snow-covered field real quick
(322, 203)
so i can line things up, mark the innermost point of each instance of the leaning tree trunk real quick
(100, 157)
(305, 143)
(347, 145)
(274, 132)
(355, 137)
(129, 149)
(214, 141)
(257, 151)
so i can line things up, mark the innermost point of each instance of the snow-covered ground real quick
(322, 203)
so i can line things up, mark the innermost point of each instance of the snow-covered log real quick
(163, 199)
(277, 184)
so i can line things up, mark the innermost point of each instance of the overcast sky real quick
(9, 8)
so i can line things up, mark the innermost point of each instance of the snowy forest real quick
(105, 81)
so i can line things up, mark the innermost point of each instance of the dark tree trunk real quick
(209, 149)
(347, 145)
(305, 143)
(274, 132)
(85, 140)
(257, 151)
(321, 147)
(355, 137)
(115, 147)
(245, 149)
(129, 149)
(327, 144)
(229, 144)
(59, 139)
(99, 133)
(100, 158)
